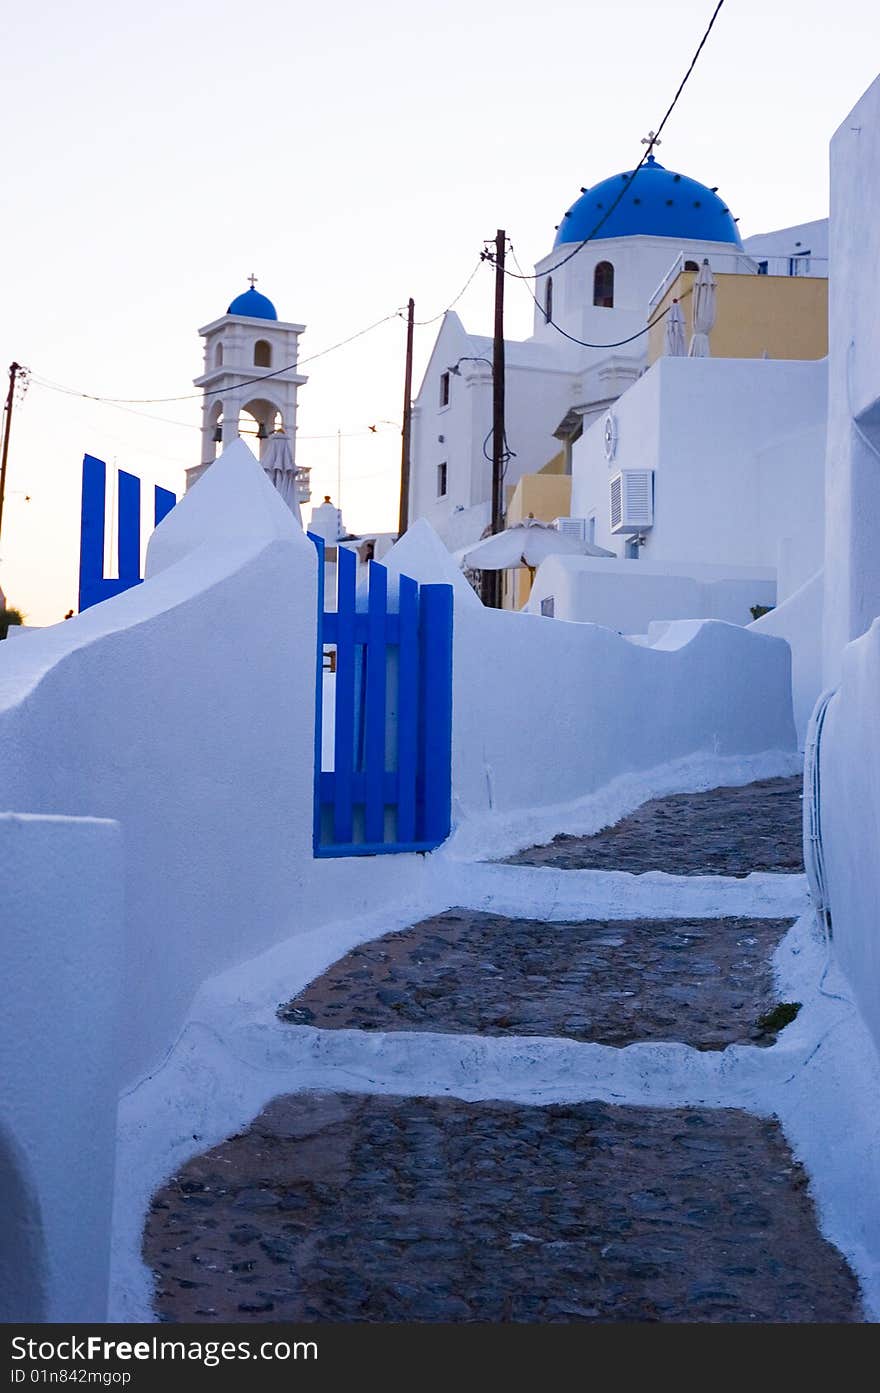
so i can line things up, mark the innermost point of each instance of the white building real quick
(589, 342)
(250, 367)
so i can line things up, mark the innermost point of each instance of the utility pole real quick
(14, 369)
(493, 597)
(406, 432)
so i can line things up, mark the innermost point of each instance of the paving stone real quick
(579, 1231)
(705, 982)
(724, 831)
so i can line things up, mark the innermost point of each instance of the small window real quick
(441, 480)
(444, 393)
(218, 356)
(762, 268)
(262, 354)
(603, 285)
(548, 300)
(691, 266)
(548, 606)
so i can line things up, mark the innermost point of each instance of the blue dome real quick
(252, 303)
(657, 203)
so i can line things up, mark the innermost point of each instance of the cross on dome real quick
(651, 140)
(252, 280)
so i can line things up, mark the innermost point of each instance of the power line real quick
(420, 323)
(628, 179)
(217, 391)
(619, 343)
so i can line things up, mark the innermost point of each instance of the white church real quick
(707, 471)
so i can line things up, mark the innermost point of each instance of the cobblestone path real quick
(352, 1207)
(335, 1207)
(726, 831)
(705, 982)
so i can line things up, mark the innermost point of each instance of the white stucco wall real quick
(184, 709)
(629, 595)
(852, 497)
(850, 820)
(798, 619)
(61, 912)
(546, 713)
(737, 449)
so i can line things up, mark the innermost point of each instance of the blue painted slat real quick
(407, 709)
(319, 698)
(436, 725)
(362, 628)
(91, 533)
(164, 500)
(129, 528)
(343, 762)
(359, 786)
(374, 722)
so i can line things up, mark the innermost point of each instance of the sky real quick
(350, 156)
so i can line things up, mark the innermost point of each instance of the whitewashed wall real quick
(546, 713)
(852, 488)
(184, 709)
(737, 447)
(850, 748)
(61, 912)
(850, 820)
(629, 595)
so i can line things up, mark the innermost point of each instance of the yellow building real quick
(545, 495)
(757, 316)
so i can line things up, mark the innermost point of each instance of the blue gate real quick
(93, 585)
(390, 788)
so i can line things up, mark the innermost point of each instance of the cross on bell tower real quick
(252, 280)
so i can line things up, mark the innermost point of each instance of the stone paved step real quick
(339, 1208)
(725, 831)
(703, 982)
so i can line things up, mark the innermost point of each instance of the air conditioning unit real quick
(632, 500)
(571, 527)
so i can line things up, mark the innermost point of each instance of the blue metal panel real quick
(351, 800)
(343, 761)
(374, 724)
(436, 725)
(128, 531)
(407, 709)
(319, 699)
(91, 533)
(163, 503)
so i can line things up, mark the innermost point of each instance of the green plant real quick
(7, 617)
(779, 1017)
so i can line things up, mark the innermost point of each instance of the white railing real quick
(740, 263)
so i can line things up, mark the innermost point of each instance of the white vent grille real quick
(632, 500)
(572, 527)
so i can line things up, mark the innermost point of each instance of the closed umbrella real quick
(704, 312)
(277, 461)
(525, 544)
(674, 341)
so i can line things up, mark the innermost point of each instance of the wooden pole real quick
(406, 432)
(14, 369)
(498, 440)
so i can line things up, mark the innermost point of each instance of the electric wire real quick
(628, 178)
(618, 343)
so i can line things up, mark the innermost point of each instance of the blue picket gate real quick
(390, 788)
(94, 586)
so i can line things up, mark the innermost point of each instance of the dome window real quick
(603, 285)
(262, 354)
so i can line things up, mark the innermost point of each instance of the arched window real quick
(262, 354)
(691, 266)
(548, 300)
(603, 285)
(218, 355)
